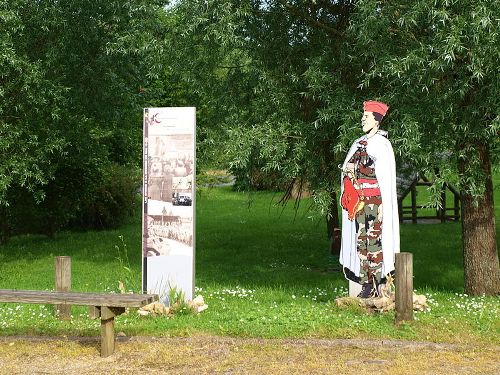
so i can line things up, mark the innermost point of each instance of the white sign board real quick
(168, 201)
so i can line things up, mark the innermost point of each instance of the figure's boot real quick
(366, 290)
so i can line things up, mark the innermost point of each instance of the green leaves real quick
(262, 71)
(436, 61)
(71, 75)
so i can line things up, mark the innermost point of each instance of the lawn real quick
(264, 271)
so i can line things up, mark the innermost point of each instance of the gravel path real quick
(224, 355)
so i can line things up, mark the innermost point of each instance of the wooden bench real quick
(101, 305)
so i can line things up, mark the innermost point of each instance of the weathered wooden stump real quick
(63, 284)
(404, 287)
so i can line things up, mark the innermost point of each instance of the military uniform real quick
(368, 220)
(370, 224)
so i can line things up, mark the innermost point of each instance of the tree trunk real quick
(4, 226)
(333, 226)
(481, 268)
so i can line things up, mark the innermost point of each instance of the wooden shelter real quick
(408, 186)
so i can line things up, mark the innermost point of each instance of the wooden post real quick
(414, 204)
(108, 328)
(107, 337)
(63, 284)
(404, 287)
(443, 204)
(400, 210)
(456, 206)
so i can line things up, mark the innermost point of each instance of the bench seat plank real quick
(77, 298)
(103, 305)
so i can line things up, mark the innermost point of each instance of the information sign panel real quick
(168, 201)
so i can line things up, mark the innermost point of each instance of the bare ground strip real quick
(224, 355)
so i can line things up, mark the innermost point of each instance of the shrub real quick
(113, 200)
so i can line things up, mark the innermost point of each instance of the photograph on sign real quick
(168, 218)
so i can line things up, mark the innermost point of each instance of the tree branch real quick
(232, 66)
(311, 20)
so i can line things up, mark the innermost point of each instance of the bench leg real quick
(107, 337)
(107, 315)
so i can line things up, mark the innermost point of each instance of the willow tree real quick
(273, 73)
(287, 79)
(436, 62)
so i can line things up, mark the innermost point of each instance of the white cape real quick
(380, 150)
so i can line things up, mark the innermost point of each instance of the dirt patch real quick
(223, 355)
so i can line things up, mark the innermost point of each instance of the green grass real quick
(263, 272)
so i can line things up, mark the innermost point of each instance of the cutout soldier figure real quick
(370, 221)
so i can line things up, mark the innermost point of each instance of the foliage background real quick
(71, 90)
(278, 84)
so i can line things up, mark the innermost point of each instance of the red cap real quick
(373, 106)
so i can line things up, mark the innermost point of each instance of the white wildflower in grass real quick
(278, 265)
(237, 292)
(339, 292)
